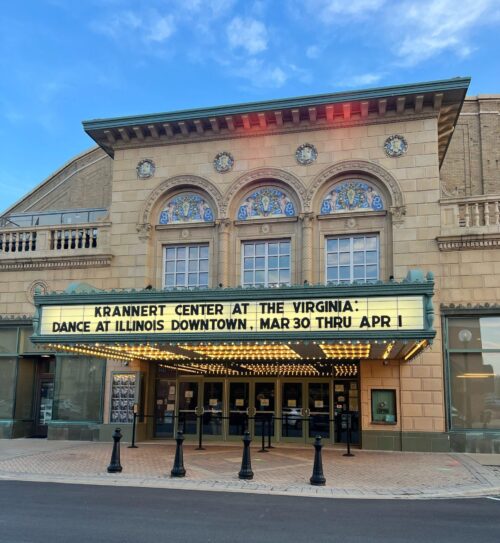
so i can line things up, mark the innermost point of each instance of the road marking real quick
(492, 498)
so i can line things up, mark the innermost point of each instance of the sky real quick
(65, 61)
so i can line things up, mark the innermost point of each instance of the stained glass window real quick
(266, 202)
(352, 195)
(186, 207)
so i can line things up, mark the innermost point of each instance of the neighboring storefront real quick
(258, 266)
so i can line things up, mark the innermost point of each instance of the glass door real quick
(318, 405)
(264, 403)
(165, 408)
(239, 396)
(292, 425)
(346, 401)
(188, 402)
(213, 408)
(44, 407)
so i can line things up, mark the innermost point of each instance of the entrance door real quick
(213, 408)
(346, 401)
(165, 407)
(188, 402)
(292, 424)
(45, 401)
(239, 403)
(318, 405)
(264, 403)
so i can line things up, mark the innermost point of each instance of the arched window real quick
(351, 195)
(264, 203)
(186, 207)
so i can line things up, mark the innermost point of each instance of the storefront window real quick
(474, 372)
(384, 406)
(186, 266)
(7, 386)
(79, 389)
(354, 258)
(266, 263)
(8, 340)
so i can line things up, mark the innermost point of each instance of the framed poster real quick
(124, 394)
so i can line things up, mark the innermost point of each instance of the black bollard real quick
(133, 445)
(318, 479)
(178, 469)
(348, 453)
(115, 466)
(246, 463)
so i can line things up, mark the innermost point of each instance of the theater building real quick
(306, 262)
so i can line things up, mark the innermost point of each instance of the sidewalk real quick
(284, 470)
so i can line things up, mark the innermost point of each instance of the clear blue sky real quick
(64, 61)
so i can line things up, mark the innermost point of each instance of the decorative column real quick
(224, 226)
(307, 247)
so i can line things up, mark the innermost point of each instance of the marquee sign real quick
(328, 314)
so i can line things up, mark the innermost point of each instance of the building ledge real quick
(57, 262)
(467, 242)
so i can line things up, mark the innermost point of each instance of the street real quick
(62, 513)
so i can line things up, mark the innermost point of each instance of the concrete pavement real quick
(284, 470)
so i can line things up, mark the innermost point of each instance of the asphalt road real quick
(61, 513)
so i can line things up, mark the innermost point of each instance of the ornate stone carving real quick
(264, 174)
(185, 233)
(144, 230)
(350, 223)
(355, 167)
(224, 225)
(307, 219)
(188, 181)
(265, 229)
(398, 214)
(36, 287)
(58, 263)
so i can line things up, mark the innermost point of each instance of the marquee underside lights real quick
(293, 352)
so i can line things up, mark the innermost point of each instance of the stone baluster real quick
(497, 213)
(486, 213)
(476, 214)
(467, 216)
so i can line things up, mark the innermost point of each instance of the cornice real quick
(473, 241)
(51, 263)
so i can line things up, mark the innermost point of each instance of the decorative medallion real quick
(145, 169)
(186, 207)
(355, 195)
(306, 154)
(223, 162)
(266, 202)
(395, 146)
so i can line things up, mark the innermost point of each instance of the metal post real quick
(348, 453)
(115, 466)
(317, 479)
(133, 445)
(263, 448)
(269, 427)
(178, 469)
(200, 433)
(246, 462)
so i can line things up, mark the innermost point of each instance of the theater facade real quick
(301, 266)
